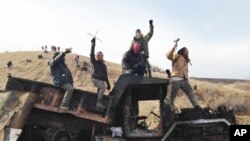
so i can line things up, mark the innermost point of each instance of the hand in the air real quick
(67, 50)
(93, 41)
(151, 22)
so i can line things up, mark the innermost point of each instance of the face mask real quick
(136, 48)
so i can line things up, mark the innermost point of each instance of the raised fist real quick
(67, 50)
(151, 22)
(93, 42)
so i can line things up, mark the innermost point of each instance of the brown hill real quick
(38, 69)
(210, 92)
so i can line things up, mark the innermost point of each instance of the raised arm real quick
(170, 54)
(92, 52)
(151, 31)
(58, 57)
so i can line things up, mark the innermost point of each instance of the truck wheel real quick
(61, 135)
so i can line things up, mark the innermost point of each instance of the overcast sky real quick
(216, 32)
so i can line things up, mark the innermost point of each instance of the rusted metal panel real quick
(25, 104)
(82, 114)
(15, 107)
(82, 103)
(5, 117)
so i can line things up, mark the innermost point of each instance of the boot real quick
(99, 104)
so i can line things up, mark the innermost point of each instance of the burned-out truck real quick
(30, 112)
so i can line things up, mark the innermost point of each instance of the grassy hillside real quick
(210, 92)
(38, 69)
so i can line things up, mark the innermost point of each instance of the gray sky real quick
(216, 32)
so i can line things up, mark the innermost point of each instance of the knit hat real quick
(137, 30)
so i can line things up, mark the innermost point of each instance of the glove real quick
(108, 86)
(93, 41)
(150, 22)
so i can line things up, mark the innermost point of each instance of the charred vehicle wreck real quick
(31, 109)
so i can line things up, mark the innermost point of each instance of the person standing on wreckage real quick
(143, 42)
(180, 61)
(99, 74)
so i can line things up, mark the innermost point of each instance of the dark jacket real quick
(143, 41)
(59, 71)
(99, 67)
(132, 61)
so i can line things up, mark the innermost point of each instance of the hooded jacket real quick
(59, 71)
(131, 60)
(143, 41)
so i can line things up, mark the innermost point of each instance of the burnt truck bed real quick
(82, 104)
(44, 121)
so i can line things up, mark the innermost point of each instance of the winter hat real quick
(137, 30)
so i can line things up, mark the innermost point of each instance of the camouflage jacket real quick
(144, 41)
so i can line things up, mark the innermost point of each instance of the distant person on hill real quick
(77, 59)
(61, 76)
(9, 65)
(133, 61)
(180, 62)
(143, 41)
(99, 74)
(45, 49)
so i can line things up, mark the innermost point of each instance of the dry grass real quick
(38, 69)
(234, 95)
